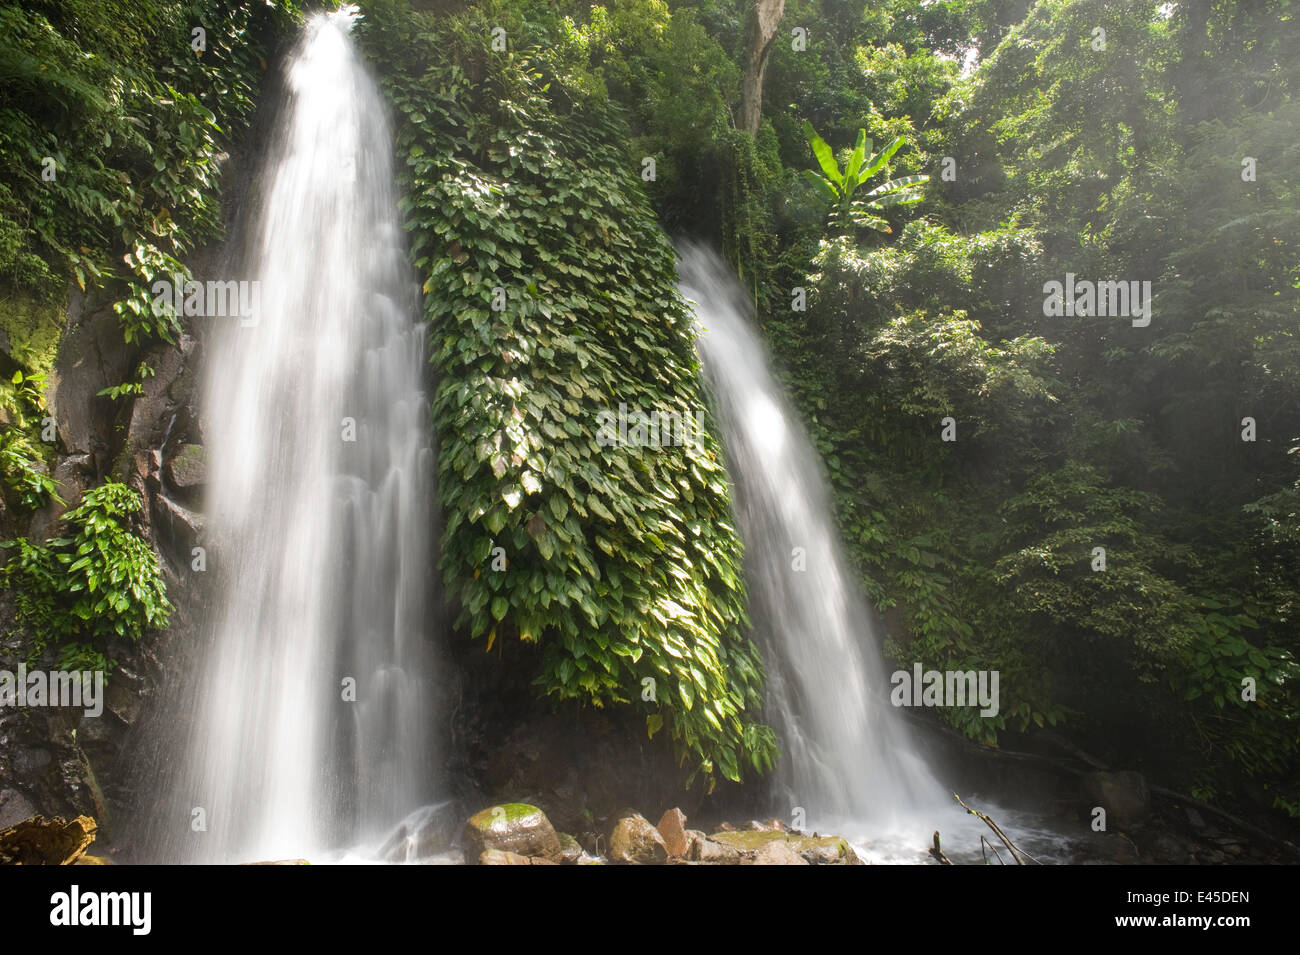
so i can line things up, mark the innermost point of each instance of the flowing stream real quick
(309, 725)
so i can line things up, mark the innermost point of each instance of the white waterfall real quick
(310, 728)
(847, 759)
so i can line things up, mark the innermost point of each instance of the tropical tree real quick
(840, 189)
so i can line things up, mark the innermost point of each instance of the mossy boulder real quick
(513, 827)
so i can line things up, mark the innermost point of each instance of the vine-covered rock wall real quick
(550, 294)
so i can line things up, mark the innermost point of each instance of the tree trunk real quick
(760, 32)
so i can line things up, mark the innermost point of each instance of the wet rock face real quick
(93, 355)
(59, 762)
(516, 828)
(580, 766)
(43, 769)
(14, 808)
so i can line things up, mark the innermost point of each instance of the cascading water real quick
(847, 758)
(311, 718)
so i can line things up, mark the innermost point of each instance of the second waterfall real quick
(847, 760)
(309, 720)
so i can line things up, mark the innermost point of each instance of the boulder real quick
(570, 850)
(186, 469)
(514, 827)
(707, 851)
(635, 842)
(672, 826)
(1124, 795)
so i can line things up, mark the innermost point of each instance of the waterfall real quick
(847, 759)
(309, 725)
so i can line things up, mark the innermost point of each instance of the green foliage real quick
(130, 388)
(1116, 162)
(840, 187)
(25, 472)
(99, 583)
(623, 565)
(135, 121)
(1257, 734)
(23, 467)
(1058, 519)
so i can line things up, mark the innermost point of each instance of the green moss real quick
(33, 330)
(747, 840)
(800, 844)
(507, 813)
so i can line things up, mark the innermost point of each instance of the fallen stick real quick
(1016, 853)
(937, 852)
(984, 842)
